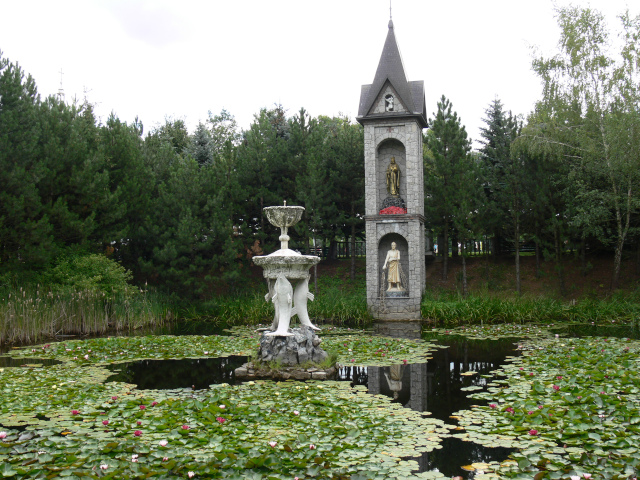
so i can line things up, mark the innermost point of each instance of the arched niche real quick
(390, 147)
(384, 245)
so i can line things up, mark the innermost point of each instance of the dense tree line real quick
(181, 209)
(566, 178)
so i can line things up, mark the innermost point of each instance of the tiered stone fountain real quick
(287, 274)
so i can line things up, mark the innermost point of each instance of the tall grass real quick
(339, 302)
(450, 310)
(28, 314)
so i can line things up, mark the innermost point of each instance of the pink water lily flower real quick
(3, 435)
(220, 419)
(114, 398)
(296, 412)
(509, 410)
(137, 433)
(105, 422)
(312, 447)
(273, 444)
(586, 475)
(142, 407)
(153, 404)
(191, 474)
(103, 466)
(493, 405)
(185, 427)
(75, 412)
(163, 443)
(533, 432)
(556, 387)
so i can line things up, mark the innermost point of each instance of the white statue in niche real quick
(388, 103)
(393, 275)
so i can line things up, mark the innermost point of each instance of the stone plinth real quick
(300, 348)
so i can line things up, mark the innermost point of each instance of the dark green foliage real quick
(90, 274)
(452, 187)
(507, 186)
(588, 118)
(498, 172)
(177, 210)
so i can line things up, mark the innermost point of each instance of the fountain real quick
(287, 274)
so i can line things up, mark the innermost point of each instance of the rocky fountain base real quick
(301, 348)
(293, 357)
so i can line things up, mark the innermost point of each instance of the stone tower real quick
(393, 113)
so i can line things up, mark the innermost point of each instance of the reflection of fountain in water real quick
(435, 387)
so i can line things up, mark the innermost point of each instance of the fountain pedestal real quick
(287, 274)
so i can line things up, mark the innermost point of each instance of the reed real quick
(28, 315)
(338, 301)
(450, 310)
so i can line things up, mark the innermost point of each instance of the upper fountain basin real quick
(283, 215)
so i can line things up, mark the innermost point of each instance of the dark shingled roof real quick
(391, 68)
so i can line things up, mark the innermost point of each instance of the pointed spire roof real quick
(391, 69)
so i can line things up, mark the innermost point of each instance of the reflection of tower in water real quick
(436, 387)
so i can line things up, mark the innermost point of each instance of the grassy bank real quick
(28, 315)
(337, 301)
(451, 310)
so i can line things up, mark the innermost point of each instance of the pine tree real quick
(449, 175)
(200, 146)
(505, 181)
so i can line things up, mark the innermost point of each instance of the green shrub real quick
(90, 273)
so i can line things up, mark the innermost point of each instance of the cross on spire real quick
(61, 90)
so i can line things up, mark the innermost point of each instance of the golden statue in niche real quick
(393, 178)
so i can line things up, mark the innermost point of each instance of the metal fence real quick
(343, 250)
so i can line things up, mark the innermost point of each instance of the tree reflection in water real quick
(196, 373)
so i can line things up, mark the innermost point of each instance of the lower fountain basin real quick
(294, 266)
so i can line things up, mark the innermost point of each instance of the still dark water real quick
(23, 362)
(171, 374)
(436, 387)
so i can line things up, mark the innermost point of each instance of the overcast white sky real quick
(182, 59)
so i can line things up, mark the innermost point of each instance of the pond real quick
(439, 388)
(507, 401)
